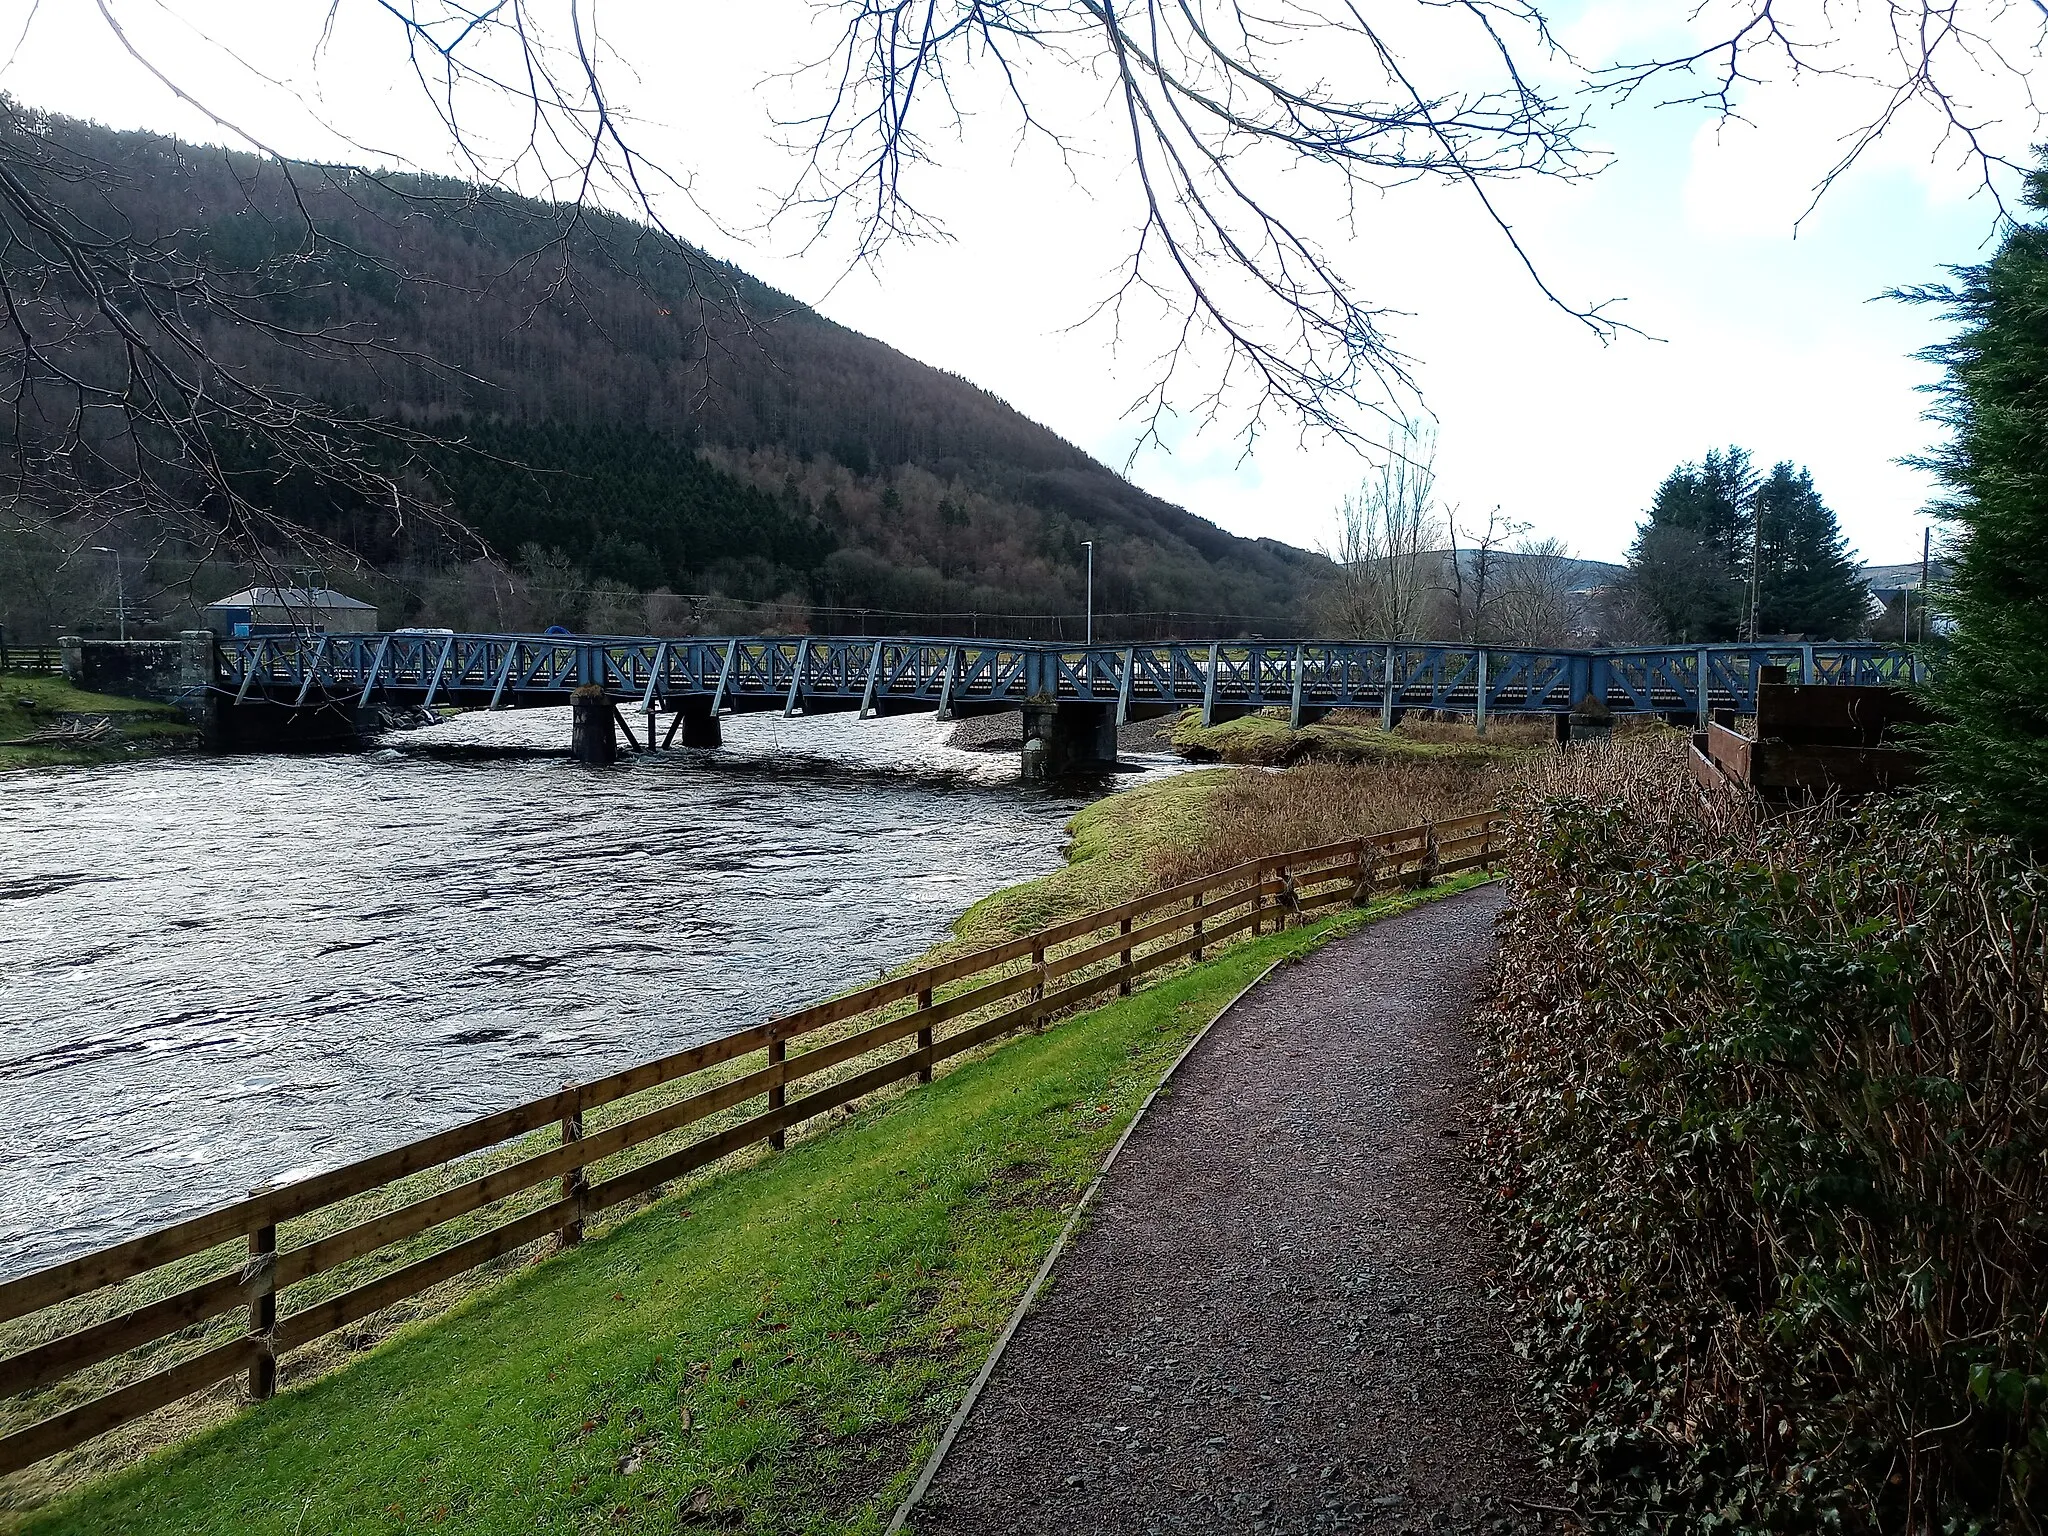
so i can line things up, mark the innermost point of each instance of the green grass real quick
(774, 1349)
(1268, 741)
(1109, 860)
(29, 702)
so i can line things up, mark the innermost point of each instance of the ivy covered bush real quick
(1770, 1145)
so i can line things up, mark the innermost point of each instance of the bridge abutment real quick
(1062, 738)
(326, 720)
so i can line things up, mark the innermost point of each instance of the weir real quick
(273, 690)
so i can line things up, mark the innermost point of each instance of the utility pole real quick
(120, 591)
(1926, 561)
(1089, 634)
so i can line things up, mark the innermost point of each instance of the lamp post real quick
(1088, 635)
(120, 592)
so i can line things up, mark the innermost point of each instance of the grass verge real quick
(1113, 849)
(772, 1349)
(1349, 738)
(30, 702)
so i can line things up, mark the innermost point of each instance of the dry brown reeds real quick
(1252, 812)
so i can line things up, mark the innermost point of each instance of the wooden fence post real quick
(1429, 856)
(259, 1279)
(1038, 988)
(1198, 925)
(575, 1183)
(778, 1049)
(924, 1035)
(1123, 958)
(1287, 902)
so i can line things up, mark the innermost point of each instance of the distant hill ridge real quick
(768, 455)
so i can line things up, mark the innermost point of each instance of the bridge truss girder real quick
(818, 673)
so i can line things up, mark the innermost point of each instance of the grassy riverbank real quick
(1191, 824)
(772, 1349)
(1351, 738)
(32, 703)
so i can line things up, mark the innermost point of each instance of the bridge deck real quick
(813, 674)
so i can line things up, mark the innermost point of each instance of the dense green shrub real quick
(1992, 690)
(1770, 1144)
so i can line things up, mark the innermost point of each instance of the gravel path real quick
(1278, 1318)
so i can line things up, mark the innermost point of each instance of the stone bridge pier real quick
(1062, 737)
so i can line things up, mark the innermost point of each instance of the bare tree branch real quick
(1213, 101)
(1924, 54)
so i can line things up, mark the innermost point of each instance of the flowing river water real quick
(218, 973)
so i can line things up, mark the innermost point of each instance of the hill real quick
(636, 417)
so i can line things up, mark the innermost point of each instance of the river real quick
(226, 972)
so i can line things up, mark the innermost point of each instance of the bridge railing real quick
(95, 1342)
(789, 672)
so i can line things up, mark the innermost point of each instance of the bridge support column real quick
(696, 724)
(1063, 738)
(593, 737)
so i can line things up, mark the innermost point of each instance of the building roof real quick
(1902, 577)
(291, 597)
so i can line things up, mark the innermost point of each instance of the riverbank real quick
(1197, 822)
(771, 1348)
(1352, 738)
(38, 711)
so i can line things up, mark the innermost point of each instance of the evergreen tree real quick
(1690, 565)
(1713, 499)
(1991, 685)
(1807, 583)
(1686, 587)
(1687, 564)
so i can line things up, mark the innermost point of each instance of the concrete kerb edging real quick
(953, 1426)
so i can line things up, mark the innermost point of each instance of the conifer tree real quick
(1686, 565)
(1991, 683)
(1807, 584)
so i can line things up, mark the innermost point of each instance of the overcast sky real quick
(1777, 343)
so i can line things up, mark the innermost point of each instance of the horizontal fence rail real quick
(794, 674)
(31, 658)
(97, 1341)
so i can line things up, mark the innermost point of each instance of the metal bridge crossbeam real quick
(782, 672)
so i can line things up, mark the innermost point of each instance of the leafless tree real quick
(1623, 616)
(1386, 551)
(1537, 606)
(1210, 100)
(121, 407)
(1935, 56)
(1472, 583)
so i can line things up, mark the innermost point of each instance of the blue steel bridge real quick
(1073, 697)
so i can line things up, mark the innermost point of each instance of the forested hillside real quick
(624, 417)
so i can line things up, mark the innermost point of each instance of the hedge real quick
(1769, 1139)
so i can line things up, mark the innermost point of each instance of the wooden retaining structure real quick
(227, 1306)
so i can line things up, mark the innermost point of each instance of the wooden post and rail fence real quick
(86, 1339)
(30, 658)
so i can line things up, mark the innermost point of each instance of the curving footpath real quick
(1278, 1316)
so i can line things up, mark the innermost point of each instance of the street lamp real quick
(120, 592)
(1089, 633)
